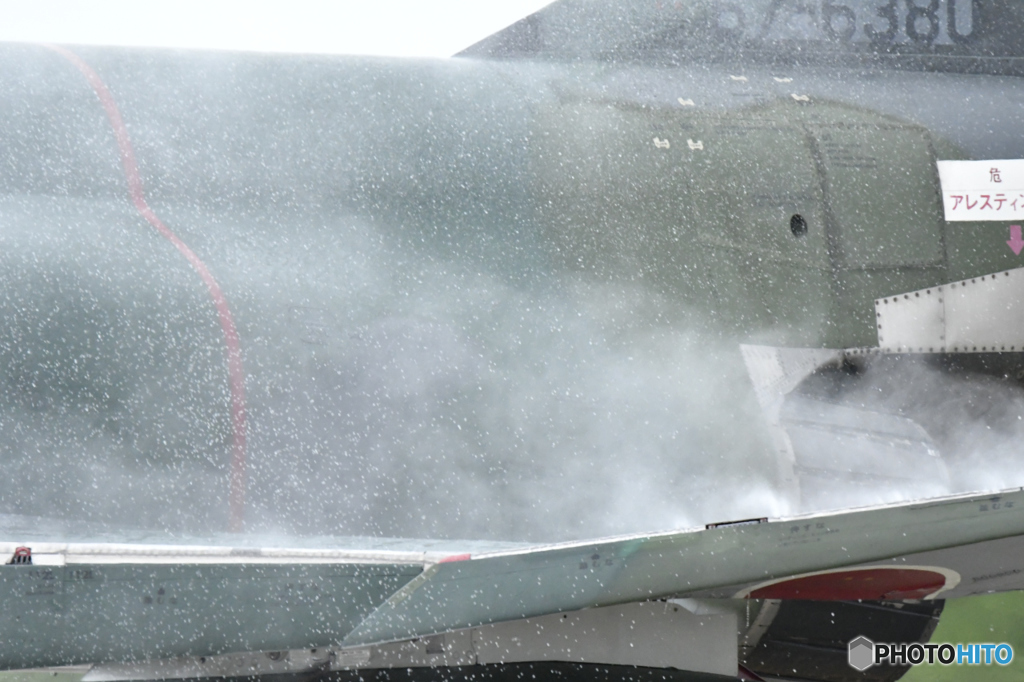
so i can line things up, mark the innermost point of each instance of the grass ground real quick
(990, 618)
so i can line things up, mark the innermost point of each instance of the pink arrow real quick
(1015, 242)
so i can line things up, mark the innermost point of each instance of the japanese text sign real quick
(983, 190)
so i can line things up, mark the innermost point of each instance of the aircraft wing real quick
(80, 602)
(957, 547)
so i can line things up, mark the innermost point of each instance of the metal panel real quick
(82, 613)
(652, 634)
(882, 194)
(986, 567)
(914, 321)
(977, 315)
(775, 372)
(230, 665)
(985, 312)
(850, 443)
(694, 563)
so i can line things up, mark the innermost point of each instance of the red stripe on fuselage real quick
(236, 376)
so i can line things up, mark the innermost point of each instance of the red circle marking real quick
(236, 376)
(865, 583)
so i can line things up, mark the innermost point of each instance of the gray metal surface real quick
(977, 315)
(711, 563)
(651, 634)
(62, 615)
(132, 607)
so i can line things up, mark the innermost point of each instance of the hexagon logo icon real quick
(861, 653)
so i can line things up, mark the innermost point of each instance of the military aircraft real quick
(625, 263)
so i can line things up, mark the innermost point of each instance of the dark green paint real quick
(85, 613)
